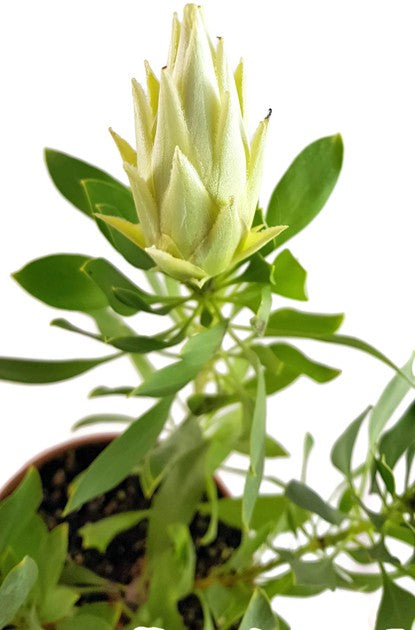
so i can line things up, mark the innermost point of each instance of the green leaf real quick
(397, 607)
(242, 558)
(54, 556)
(113, 199)
(68, 173)
(170, 506)
(58, 281)
(200, 404)
(102, 532)
(301, 364)
(358, 344)
(259, 613)
(284, 364)
(268, 508)
(84, 622)
(391, 397)
(307, 448)
(198, 351)
(124, 390)
(395, 442)
(259, 321)
(35, 371)
(306, 185)
(15, 589)
(272, 447)
(315, 573)
(258, 270)
(102, 418)
(287, 322)
(386, 474)
(107, 612)
(108, 278)
(111, 193)
(58, 603)
(257, 452)
(166, 453)
(76, 575)
(288, 277)
(286, 585)
(119, 458)
(228, 604)
(17, 509)
(306, 498)
(342, 451)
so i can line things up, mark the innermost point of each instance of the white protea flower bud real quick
(195, 177)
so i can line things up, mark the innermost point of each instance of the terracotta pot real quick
(59, 450)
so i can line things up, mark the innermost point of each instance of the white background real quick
(324, 67)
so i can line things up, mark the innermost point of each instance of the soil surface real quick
(124, 555)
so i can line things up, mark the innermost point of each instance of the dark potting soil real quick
(125, 554)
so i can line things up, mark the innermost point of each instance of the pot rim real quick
(56, 451)
(51, 453)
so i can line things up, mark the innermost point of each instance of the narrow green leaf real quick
(17, 509)
(111, 193)
(113, 199)
(228, 603)
(306, 185)
(165, 454)
(287, 322)
(84, 622)
(54, 557)
(102, 418)
(302, 364)
(76, 575)
(68, 173)
(315, 573)
(307, 448)
(386, 474)
(119, 458)
(259, 321)
(306, 498)
(39, 372)
(397, 607)
(170, 506)
(257, 451)
(65, 325)
(288, 277)
(15, 589)
(399, 438)
(102, 390)
(272, 447)
(58, 281)
(108, 612)
(259, 613)
(342, 451)
(358, 344)
(391, 397)
(57, 604)
(198, 351)
(102, 532)
(108, 278)
(258, 270)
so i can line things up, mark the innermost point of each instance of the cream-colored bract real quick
(194, 176)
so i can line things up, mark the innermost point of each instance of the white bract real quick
(195, 177)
